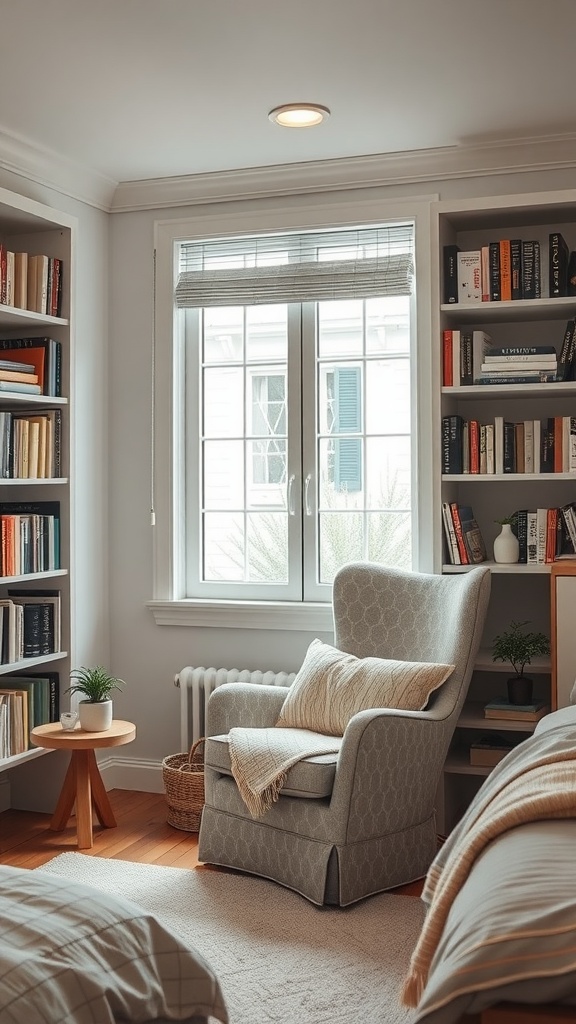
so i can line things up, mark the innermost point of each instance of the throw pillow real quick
(333, 686)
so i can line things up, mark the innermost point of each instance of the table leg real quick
(102, 804)
(83, 798)
(65, 800)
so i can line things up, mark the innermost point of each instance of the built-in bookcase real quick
(519, 591)
(32, 228)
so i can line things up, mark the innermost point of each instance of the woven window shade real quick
(354, 264)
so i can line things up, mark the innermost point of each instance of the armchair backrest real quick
(390, 613)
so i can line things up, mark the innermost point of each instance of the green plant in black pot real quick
(518, 647)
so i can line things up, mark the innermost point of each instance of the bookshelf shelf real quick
(472, 717)
(552, 389)
(515, 569)
(37, 511)
(519, 310)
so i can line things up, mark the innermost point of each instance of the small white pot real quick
(95, 717)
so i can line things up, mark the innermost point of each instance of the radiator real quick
(196, 685)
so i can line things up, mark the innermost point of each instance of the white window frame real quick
(168, 605)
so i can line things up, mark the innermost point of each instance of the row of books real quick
(30, 625)
(25, 702)
(468, 358)
(528, 446)
(39, 356)
(30, 281)
(545, 534)
(30, 445)
(561, 265)
(464, 541)
(29, 537)
(500, 271)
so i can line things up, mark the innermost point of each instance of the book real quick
(485, 272)
(505, 270)
(19, 387)
(516, 267)
(473, 540)
(481, 349)
(21, 279)
(490, 750)
(567, 356)
(494, 266)
(450, 267)
(52, 349)
(18, 376)
(538, 377)
(498, 351)
(530, 276)
(452, 448)
(450, 535)
(447, 375)
(466, 370)
(464, 557)
(469, 265)
(558, 254)
(520, 528)
(501, 708)
(572, 274)
(513, 364)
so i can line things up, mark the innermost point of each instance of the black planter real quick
(520, 690)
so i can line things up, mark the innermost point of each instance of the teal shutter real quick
(347, 420)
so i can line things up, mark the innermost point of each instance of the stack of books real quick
(501, 708)
(519, 364)
(464, 541)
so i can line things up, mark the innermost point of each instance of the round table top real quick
(54, 736)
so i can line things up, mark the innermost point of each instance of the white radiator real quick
(196, 685)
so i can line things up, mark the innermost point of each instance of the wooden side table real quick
(83, 783)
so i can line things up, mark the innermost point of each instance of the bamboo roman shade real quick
(309, 267)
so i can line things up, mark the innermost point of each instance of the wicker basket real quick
(183, 776)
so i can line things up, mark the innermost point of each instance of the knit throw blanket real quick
(536, 780)
(260, 759)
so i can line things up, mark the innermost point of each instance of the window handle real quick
(291, 482)
(307, 482)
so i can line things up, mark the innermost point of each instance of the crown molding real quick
(45, 167)
(497, 157)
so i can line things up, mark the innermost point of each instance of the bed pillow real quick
(333, 686)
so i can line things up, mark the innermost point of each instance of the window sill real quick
(308, 617)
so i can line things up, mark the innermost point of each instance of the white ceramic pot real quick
(506, 547)
(95, 717)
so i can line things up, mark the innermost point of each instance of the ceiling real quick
(139, 89)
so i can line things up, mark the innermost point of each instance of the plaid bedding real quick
(72, 955)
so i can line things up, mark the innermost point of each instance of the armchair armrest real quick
(387, 752)
(245, 705)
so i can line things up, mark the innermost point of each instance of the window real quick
(296, 436)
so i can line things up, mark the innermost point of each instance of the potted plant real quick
(518, 647)
(95, 711)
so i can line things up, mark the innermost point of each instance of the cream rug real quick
(280, 960)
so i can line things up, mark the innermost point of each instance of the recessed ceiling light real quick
(299, 115)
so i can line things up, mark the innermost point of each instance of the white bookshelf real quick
(28, 226)
(518, 591)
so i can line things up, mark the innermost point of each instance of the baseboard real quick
(139, 774)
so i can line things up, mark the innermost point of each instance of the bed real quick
(506, 950)
(70, 954)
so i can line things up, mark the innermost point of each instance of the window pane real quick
(389, 540)
(341, 540)
(388, 473)
(223, 474)
(224, 547)
(224, 401)
(340, 328)
(339, 470)
(266, 486)
(267, 547)
(223, 334)
(388, 325)
(266, 333)
(388, 396)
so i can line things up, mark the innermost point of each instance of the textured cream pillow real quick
(332, 686)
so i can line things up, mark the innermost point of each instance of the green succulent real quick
(95, 683)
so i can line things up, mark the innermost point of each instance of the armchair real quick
(351, 824)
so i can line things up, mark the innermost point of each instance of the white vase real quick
(506, 547)
(95, 717)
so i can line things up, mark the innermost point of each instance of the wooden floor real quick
(142, 835)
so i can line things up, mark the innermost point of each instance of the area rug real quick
(278, 957)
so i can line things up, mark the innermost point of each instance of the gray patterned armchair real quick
(351, 824)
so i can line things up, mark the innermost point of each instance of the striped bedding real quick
(72, 955)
